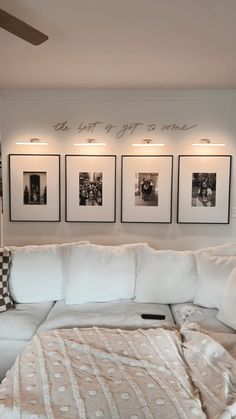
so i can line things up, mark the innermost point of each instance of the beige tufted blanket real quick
(112, 373)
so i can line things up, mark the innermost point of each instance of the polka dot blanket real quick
(113, 373)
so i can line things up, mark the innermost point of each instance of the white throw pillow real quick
(212, 274)
(228, 249)
(100, 273)
(165, 276)
(36, 273)
(227, 312)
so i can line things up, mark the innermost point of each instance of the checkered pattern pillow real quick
(6, 302)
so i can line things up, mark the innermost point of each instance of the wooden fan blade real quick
(21, 29)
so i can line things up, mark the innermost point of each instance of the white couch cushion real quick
(212, 274)
(228, 249)
(114, 314)
(165, 276)
(9, 349)
(227, 312)
(22, 322)
(204, 318)
(37, 272)
(101, 273)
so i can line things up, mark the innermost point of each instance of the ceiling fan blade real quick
(21, 29)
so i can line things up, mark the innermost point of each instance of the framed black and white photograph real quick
(146, 189)
(90, 188)
(34, 187)
(204, 189)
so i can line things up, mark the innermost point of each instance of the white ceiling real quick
(135, 44)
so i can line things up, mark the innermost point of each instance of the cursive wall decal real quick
(126, 128)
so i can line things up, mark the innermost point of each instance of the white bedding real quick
(129, 374)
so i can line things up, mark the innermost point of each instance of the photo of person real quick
(146, 189)
(90, 188)
(203, 189)
(34, 188)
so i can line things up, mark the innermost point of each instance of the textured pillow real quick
(165, 276)
(100, 274)
(6, 302)
(38, 272)
(227, 312)
(228, 249)
(212, 274)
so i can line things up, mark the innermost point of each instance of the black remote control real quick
(153, 316)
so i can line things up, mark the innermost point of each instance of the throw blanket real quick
(113, 373)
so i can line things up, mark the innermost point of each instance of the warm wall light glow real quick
(27, 143)
(148, 143)
(205, 142)
(32, 141)
(208, 145)
(90, 142)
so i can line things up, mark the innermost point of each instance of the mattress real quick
(125, 314)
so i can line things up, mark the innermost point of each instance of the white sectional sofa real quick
(17, 327)
(86, 285)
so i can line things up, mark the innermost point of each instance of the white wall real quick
(32, 114)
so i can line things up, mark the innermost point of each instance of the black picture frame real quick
(90, 188)
(34, 187)
(203, 195)
(137, 206)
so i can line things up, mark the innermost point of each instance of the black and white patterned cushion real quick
(6, 302)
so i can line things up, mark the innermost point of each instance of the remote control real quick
(153, 316)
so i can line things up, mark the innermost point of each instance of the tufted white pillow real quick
(165, 276)
(37, 272)
(227, 312)
(228, 249)
(101, 273)
(212, 274)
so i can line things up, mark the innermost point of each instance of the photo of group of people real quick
(90, 188)
(146, 189)
(203, 189)
(34, 188)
